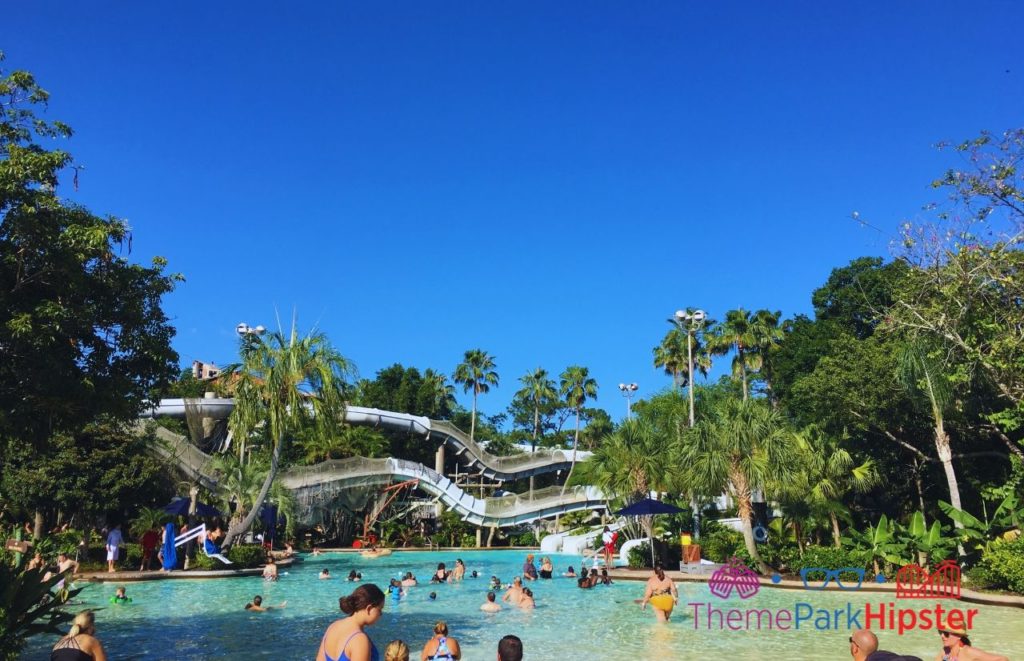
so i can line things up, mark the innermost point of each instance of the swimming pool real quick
(204, 619)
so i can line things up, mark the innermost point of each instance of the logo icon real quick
(914, 582)
(734, 576)
(816, 578)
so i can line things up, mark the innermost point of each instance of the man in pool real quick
(864, 647)
(257, 605)
(510, 648)
(490, 606)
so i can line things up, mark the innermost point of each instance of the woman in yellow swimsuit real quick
(661, 593)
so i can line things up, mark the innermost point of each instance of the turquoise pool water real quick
(204, 619)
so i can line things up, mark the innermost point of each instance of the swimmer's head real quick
(490, 596)
(432, 596)
(257, 600)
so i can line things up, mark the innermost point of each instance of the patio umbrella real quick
(648, 507)
(179, 506)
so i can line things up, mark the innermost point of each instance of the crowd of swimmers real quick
(346, 639)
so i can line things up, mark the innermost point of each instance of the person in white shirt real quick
(114, 542)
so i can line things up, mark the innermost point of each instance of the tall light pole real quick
(248, 334)
(691, 322)
(628, 390)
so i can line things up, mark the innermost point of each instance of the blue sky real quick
(546, 181)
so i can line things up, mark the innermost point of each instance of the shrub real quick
(1002, 567)
(640, 556)
(830, 557)
(245, 556)
(718, 543)
(524, 539)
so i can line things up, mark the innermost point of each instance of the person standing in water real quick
(441, 647)
(661, 593)
(81, 643)
(346, 639)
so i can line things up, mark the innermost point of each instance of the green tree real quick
(734, 334)
(436, 395)
(670, 355)
(285, 384)
(82, 331)
(476, 372)
(538, 391)
(576, 386)
(738, 446)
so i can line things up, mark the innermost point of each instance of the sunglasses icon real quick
(816, 578)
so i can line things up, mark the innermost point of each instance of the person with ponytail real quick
(661, 593)
(441, 647)
(80, 644)
(345, 639)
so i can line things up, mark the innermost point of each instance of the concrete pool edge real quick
(966, 594)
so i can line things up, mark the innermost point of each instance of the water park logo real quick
(734, 576)
(914, 582)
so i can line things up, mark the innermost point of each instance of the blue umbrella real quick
(169, 552)
(649, 507)
(179, 507)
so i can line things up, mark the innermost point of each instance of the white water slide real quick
(437, 431)
(320, 487)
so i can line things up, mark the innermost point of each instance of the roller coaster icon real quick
(914, 582)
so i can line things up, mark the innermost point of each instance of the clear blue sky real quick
(546, 181)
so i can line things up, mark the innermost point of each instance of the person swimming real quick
(121, 597)
(325, 573)
(395, 589)
(355, 576)
(346, 639)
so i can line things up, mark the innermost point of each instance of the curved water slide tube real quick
(319, 485)
(493, 467)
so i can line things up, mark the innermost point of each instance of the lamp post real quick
(691, 322)
(628, 390)
(248, 334)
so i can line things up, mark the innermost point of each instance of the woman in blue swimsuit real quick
(345, 639)
(441, 647)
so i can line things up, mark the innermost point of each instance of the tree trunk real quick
(235, 531)
(741, 491)
(472, 418)
(920, 490)
(743, 370)
(946, 457)
(835, 529)
(37, 526)
(798, 530)
(575, 442)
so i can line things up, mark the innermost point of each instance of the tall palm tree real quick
(671, 356)
(921, 374)
(738, 446)
(576, 386)
(285, 384)
(537, 390)
(476, 373)
(768, 331)
(632, 461)
(734, 334)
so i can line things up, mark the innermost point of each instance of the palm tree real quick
(826, 473)
(576, 386)
(738, 446)
(671, 356)
(285, 384)
(767, 331)
(734, 334)
(442, 393)
(922, 374)
(537, 390)
(632, 461)
(476, 373)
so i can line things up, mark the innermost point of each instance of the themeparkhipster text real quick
(878, 617)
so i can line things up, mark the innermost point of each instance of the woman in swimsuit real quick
(441, 575)
(527, 602)
(661, 593)
(345, 639)
(546, 568)
(80, 644)
(956, 646)
(441, 647)
(459, 571)
(396, 650)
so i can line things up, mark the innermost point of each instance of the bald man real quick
(864, 647)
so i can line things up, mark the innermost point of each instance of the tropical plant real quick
(979, 534)
(826, 474)
(148, 518)
(924, 542)
(440, 393)
(734, 334)
(670, 355)
(284, 384)
(739, 446)
(878, 541)
(537, 390)
(29, 605)
(476, 372)
(576, 386)
(631, 462)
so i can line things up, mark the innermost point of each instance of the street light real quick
(690, 322)
(628, 390)
(243, 329)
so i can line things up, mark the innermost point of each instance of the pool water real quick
(204, 619)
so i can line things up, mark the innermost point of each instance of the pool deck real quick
(970, 596)
(157, 575)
